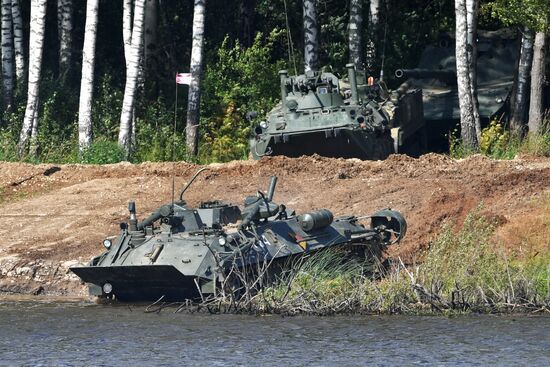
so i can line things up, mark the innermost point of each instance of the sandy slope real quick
(56, 216)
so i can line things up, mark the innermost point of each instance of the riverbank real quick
(56, 216)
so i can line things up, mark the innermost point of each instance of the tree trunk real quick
(127, 29)
(33, 149)
(374, 20)
(18, 42)
(517, 120)
(124, 136)
(193, 103)
(538, 73)
(7, 54)
(467, 121)
(472, 9)
(36, 43)
(355, 33)
(87, 82)
(311, 35)
(65, 27)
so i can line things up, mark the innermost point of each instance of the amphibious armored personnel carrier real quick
(321, 114)
(190, 253)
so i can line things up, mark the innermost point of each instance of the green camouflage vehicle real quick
(321, 114)
(180, 252)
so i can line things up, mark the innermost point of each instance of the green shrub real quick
(103, 152)
(239, 80)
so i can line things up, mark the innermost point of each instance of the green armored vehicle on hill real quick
(321, 114)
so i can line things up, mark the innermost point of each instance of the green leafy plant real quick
(239, 80)
(103, 152)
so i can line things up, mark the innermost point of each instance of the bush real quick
(103, 152)
(237, 81)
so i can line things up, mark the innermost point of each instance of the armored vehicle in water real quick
(321, 114)
(183, 253)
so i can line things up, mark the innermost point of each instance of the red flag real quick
(183, 78)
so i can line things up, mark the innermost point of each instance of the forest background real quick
(246, 42)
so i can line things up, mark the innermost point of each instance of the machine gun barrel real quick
(447, 76)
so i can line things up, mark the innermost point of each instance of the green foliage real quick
(464, 257)
(239, 80)
(534, 14)
(106, 108)
(102, 152)
(538, 144)
(498, 143)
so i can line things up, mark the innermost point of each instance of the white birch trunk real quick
(538, 73)
(374, 20)
(36, 43)
(18, 42)
(33, 148)
(124, 136)
(311, 35)
(193, 102)
(467, 122)
(64, 28)
(127, 29)
(472, 9)
(519, 107)
(7, 54)
(87, 82)
(355, 33)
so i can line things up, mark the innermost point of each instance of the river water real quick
(56, 333)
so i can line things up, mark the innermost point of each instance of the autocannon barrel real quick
(163, 211)
(447, 76)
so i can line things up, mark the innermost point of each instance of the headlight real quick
(107, 244)
(107, 288)
(222, 241)
(263, 124)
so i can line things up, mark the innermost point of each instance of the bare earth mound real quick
(54, 216)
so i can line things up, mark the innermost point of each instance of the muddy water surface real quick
(78, 333)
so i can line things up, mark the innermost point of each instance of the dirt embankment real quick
(55, 216)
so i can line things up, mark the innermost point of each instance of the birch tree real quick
(133, 62)
(467, 120)
(472, 9)
(538, 71)
(519, 106)
(7, 53)
(36, 43)
(193, 103)
(311, 35)
(87, 81)
(127, 29)
(355, 33)
(17, 21)
(64, 28)
(374, 20)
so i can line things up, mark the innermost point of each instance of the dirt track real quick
(56, 216)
